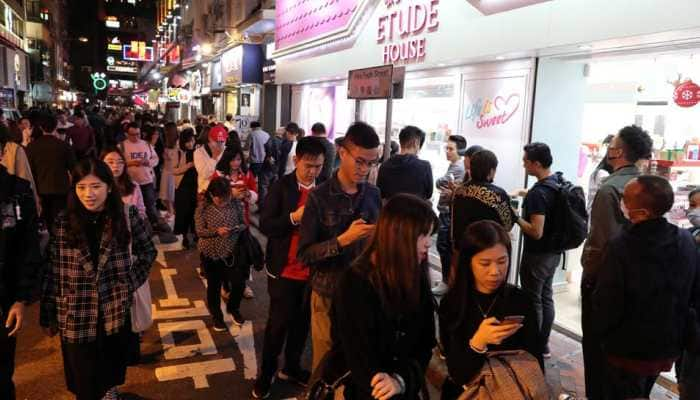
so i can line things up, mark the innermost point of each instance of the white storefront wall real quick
(465, 36)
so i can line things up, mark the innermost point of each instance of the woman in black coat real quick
(382, 315)
(186, 192)
(481, 312)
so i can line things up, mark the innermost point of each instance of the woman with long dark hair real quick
(382, 313)
(481, 312)
(98, 259)
(130, 192)
(233, 166)
(185, 187)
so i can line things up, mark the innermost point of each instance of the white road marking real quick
(199, 310)
(172, 351)
(243, 335)
(172, 300)
(197, 371)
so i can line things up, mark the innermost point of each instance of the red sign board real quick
(687, 94)
(370, 83)
(138, 51)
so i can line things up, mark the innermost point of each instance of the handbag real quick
(512, 375)
(141, 313)
(334, 374)
(248, 252)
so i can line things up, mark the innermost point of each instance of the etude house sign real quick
(402, 29)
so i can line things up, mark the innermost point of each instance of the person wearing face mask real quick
(382, 313)
(627, 147)
(481, 312)
(645, 290)
(185, 187)
(98, 259)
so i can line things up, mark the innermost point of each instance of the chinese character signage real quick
(370, 83)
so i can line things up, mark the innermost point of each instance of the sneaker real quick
(261, 388)
(237, 317)
(112, 394)
(219, 325)
(299, 376)
(248, 293)
(440, 289)
(547, 354)
(166, 238)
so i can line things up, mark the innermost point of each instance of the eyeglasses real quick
(360, 162)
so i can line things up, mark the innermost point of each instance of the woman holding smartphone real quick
(218, 221)
(481, 312)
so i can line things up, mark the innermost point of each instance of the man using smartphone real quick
(339, 216)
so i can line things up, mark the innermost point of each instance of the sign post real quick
(372, 84)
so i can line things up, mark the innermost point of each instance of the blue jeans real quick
(149, 200)
(444, 245)
(536, 277)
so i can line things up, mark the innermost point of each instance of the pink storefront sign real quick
(299, 21)
(488, 7)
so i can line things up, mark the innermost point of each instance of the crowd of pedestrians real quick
(347, 260)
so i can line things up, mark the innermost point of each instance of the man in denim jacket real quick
(339, 216)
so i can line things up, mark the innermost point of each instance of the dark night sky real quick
(86, 18)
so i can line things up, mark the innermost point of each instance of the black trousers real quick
(51, 205)
(288, 321)
(8, 345)
(217, 272)
(621, 384)
(91, 369)
(594, 361)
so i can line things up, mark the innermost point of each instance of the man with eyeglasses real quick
(339, 215)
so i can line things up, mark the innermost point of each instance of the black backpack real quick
(568, 225)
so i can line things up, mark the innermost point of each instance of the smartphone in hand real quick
(513, 319)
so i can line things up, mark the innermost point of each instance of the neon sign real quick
(137, 51)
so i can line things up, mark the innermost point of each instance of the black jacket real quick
(328, 160)
(275, 222)
(51, 159)
(19, 240)
(460, 318)
(648, 282)
(478, 201)
(371, 341)
(405, 173)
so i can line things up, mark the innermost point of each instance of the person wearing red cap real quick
(206, 157)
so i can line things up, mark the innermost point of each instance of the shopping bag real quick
(141, 317)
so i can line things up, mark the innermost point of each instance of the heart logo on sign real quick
(510, 106)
